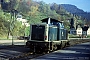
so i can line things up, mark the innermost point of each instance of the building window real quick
(79, 32)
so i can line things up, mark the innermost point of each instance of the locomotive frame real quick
(47, 36)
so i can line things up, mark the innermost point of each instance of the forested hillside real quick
(74, 10)
(34, 12)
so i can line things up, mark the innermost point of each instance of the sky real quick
(81, 4)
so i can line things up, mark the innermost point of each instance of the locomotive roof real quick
(52, 20)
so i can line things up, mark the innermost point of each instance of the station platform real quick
(76, 52)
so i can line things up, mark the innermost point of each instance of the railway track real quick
(16, 52)
(23, 53)
(25, 56)
(78, 41)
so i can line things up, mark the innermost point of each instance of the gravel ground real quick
(20, 52)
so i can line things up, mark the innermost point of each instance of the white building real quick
(88, 31)
(24, 21)
(79, 31)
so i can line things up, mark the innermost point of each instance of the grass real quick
(73, 36)
(88, 36)
(5, 38)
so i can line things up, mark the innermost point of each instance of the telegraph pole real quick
(13, 17)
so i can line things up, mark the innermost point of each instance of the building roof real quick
(85, 28)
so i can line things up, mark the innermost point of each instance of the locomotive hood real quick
(51, 20)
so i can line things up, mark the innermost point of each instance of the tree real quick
(33, 11)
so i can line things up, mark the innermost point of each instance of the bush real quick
(88, 36)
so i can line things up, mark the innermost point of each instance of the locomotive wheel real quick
(61, 45)
(58, 47)
(65, 44)
(54, 47)
(68, 43)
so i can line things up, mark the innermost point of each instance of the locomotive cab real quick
(38, 32)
